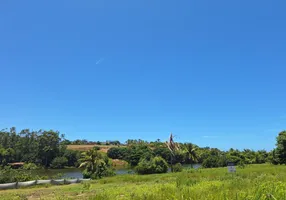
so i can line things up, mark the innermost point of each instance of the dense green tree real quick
(163, 152)
(273, 157)
(137, 152)
(49, 146)
(73, 157)
(190, 152)
(59, 163)
(211, 162)
(280, 150)
(29, 146)
(118, 153)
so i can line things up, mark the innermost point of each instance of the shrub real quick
(138, 152)
(9, 175)
(109, 172)
(160, 165)
(145, 167)
(97, 148)
(164, 152)
(152, 166)
(30, 166)
(233, 159)
(210, 162)
(241, 164)
(57, 176)
(59, 163)
(179, 157)
(72, 157)
(177, 167)
(102, 170)
(86, 173)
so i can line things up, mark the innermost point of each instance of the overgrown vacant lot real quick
(252, 182)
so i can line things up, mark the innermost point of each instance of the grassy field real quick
(253, 182)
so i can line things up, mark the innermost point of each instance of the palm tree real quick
(191, 154)
(90, 159)
(96, 165)
(173, 147)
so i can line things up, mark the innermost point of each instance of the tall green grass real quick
(263, 182)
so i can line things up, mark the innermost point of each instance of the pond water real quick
(65, 173)
(77, 173)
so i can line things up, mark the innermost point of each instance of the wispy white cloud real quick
(99, 61)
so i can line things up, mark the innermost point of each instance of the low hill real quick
(103, 148)
(83, 147)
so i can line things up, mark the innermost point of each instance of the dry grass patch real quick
(103, 148)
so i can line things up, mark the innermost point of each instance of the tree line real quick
(49, 149)
(189, 153)
(87, 142)
(41, 147)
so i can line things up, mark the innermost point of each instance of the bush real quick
(59, 163)
(57, 176)
(138, 152)
(211, 162)
(152, 166)
(234, 159)
(160, 165)
(241, 164)
(9, 175)
(163, 152)
(144, 167)
(102, 170)
(86, 173)
(177, 167)
(108, 172)
(30, 166)
(131, 154)
(179, 157)
(97, 148)
(72, 157)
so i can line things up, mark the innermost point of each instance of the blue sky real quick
(211, 72)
